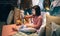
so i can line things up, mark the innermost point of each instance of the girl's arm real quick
(39, 23)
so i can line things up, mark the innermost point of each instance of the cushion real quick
(27, 30)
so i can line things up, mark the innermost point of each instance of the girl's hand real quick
(16, 28)
(18, 22)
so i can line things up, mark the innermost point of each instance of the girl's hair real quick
(37, 10)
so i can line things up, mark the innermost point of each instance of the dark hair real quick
(46, 3)
(37, 9)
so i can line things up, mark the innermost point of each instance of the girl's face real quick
(33, 11)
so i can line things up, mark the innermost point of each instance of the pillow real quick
(27, 30)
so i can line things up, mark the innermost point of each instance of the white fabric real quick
(41, 4)
(55, 3)
(10, 17)
(54, 26)
(38, 2)
(44, 20)
(35, 2)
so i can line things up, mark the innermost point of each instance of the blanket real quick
(24, 34)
